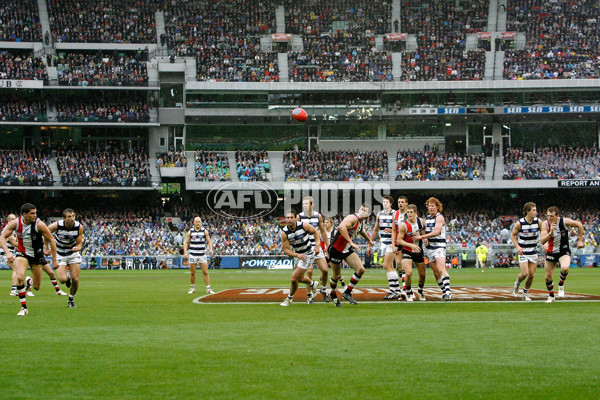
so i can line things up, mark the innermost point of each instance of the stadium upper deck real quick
(398, 68)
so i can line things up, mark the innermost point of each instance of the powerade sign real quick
(551, 109)
(266, 262)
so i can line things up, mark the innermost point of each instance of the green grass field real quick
(137, 335)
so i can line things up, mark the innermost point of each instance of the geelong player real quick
(68, 234)
(412, 250)
(196, 242)
(315, 219)
(384, 223)
(525, 235)
(555, 232)
(342, 248)
(30, 249)
(435, 228)
(295, 236)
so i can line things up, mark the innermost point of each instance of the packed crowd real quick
(441, 24)
(417, 165)
(22, 67)
(126, 233)
(225, 37)
(106, 110)
(335, 165)
(340, 57)
(430, 64)
(252, 165)
(171, 159)
(111, 21)
(211, 166)
(562, 39)
(540, 62)
(79, 69)
(108, 168)
(20, 21)
(19, 108)
(24, 168)
(236, 61)
(560, 162)
(314, 17)
(478, 226)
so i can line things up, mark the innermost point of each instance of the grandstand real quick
(175, 99)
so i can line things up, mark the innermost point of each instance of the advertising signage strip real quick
(551, 109)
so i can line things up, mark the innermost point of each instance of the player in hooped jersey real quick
(383, 229)
(297, 243)
(555, 233)
(412, 250)
(435, 228)
(525, 236)
(342, 248)
(195, 243)
(30, 249)
(315, 219)
(68, 234)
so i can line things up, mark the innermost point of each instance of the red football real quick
(299, 114)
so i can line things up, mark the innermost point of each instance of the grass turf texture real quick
(137, 335)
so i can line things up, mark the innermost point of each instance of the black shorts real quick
(554, 257)
(416, 257)
(39, 259)
(336, 256)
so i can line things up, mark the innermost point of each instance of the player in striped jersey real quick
(412, 250)
(195, 243)
(295, 237)
(555, 232)
(12, 244)
(342, 248)
(435, 228)
(68, 234)
(383, 229)
(525, 235)
(315, 219)
(30, 249)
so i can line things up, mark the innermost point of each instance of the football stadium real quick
(219, 199)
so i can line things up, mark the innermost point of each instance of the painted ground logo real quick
(229, 198)
(376, 294)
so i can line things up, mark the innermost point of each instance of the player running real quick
(525, 235)
(383, 229)
(343, 248)
(295, 236)
(315, 219)
(555, 232)
(30, 249)
(68, 234)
